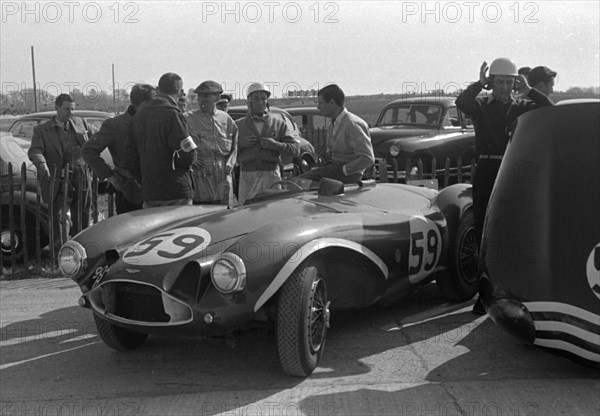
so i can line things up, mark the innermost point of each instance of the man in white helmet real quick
(492, 116)
(263, 140)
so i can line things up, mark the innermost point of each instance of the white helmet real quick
(503, 66)
(257, 86)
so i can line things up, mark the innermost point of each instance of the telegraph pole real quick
(35, 101)
(114, 92)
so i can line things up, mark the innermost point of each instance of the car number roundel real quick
(425, 248)
(170, 246)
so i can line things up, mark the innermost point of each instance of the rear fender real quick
(322, 248)
(454, 201)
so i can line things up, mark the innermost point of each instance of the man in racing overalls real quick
(264, 140)
(216, 135)
(492, 116)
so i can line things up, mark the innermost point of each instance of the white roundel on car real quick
(169, 246)
(425, 248)
(593, 270)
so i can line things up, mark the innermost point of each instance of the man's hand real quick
(248, 141)
(523, 86)
(112, 179)
(482, 74)
(43, 171)
(269, 143)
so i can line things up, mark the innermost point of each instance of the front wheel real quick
(461, 283)
(302, 320)
(118, 338)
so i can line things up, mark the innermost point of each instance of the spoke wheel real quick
(302, 320)
(461, 281)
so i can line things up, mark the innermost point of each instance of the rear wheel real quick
(461, 283)
(302, 320)
(118, 338)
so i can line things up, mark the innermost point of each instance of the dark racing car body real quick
(284, 260)
(540, 258)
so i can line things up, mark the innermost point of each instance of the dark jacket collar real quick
(164, 101)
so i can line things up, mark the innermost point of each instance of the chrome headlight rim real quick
(80, 259)
(237, 264)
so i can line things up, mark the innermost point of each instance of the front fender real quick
(311, 248)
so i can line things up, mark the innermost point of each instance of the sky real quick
(372, 47)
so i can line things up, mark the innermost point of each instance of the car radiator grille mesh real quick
(134, 301)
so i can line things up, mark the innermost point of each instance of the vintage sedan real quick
(298, 251)
(21, 222)
(540, 257)
(423, 128)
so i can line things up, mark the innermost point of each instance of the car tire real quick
(18, 238)
(302, 320)
(460, 283)
(118, 338)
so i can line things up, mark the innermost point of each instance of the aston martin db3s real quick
(298, 251)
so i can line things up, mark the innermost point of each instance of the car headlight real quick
(228, 273)
(394, 150)
(72, 259)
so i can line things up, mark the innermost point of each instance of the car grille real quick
(139, 303)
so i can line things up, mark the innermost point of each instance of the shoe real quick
(478, 308)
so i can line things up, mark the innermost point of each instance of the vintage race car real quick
(540, 258)
(294, 253)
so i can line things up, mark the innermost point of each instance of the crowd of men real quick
(164, 155)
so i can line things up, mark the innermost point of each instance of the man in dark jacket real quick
(113, 134)
(493, 115)
(56, 144)
(159, 150)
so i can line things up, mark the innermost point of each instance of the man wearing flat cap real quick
(542, 79)
(216, 134)
(113, 135)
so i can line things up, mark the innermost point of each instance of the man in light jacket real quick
(349, 147)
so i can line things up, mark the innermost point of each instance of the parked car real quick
(313, 126)
(294, 253)
(308, 118)
(6, 122)
(11, 152)
(308, 158)
(22, 127)
(423, 128)
(540, 254)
